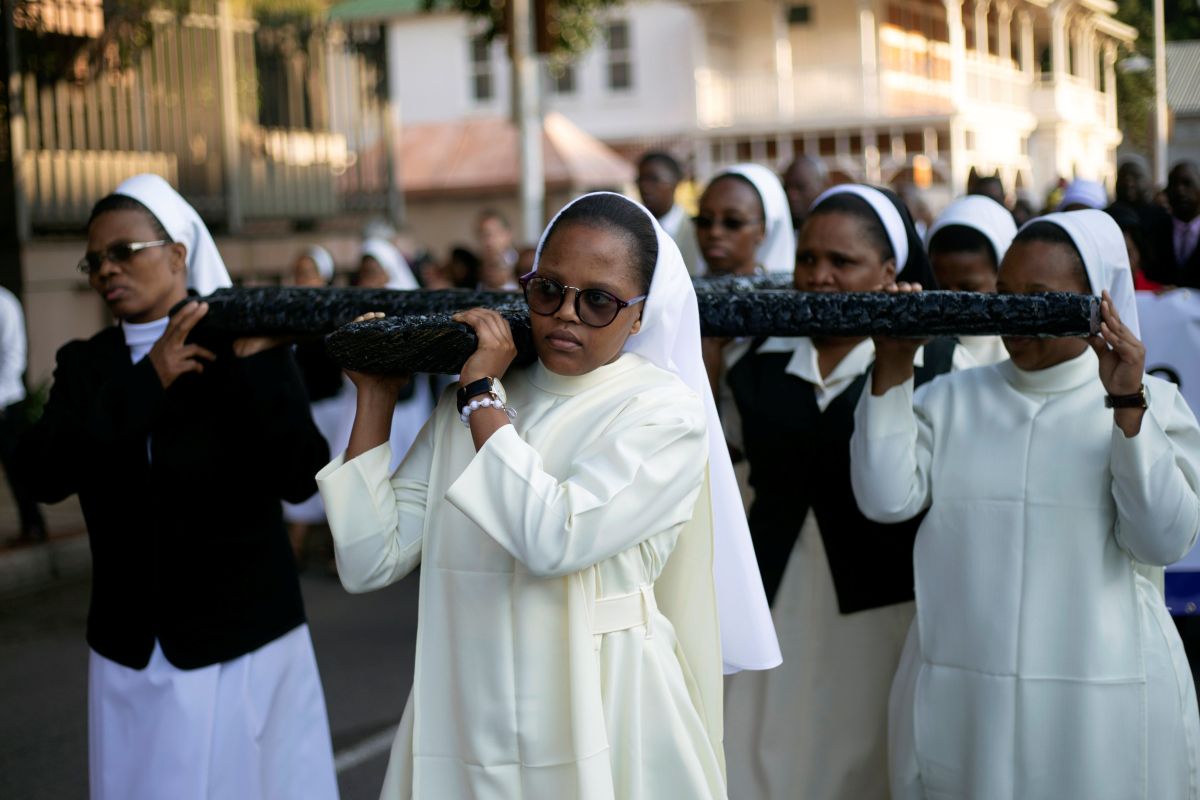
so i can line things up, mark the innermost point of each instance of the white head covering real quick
(670, 338)
(324, 261)
(982, 214)
(777, 252)
(1084, 192)
(889, 215)
(1099, 240)
(205, 270)
(400, 275)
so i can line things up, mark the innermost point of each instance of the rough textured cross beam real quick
(418, 334)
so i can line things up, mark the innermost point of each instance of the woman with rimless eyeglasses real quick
(202, 682)
(579, 534)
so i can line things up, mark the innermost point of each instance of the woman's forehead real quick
(728, 191)
(587, 256)
(122, 225)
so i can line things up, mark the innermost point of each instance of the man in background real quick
(658, 176)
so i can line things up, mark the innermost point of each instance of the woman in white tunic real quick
(383, 266)
(1041, 664)
(966, 244)
(568, 644)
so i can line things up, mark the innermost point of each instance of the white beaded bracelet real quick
(487, 402)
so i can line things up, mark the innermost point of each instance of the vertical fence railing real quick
(162, 114)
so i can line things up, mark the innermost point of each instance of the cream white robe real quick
(544, 666)
(1041, 663)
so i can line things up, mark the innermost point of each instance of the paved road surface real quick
(364, 647)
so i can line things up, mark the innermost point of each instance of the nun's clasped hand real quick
(171, 356)
(496, 349)
(894, 357)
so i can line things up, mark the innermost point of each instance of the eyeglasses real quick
(118, 254)
(595, 308)
(731, 224)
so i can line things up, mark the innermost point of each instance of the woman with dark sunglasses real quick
(575, 528)
(744, 223)
(202, 681)
(744, 228)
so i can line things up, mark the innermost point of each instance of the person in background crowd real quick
(1181, 239)
(498, 256)
(918, 209)
(803, 181)
(966, 245)
(526, 257)
(1133, 228)
(1082, 193)
(202, 682)
(840, 585)
(1143, 223)
(462, 268)
(383, 266)
(991, 187)
(744, 227)
(1023, 210)
(658, 177)
(381, 261)
(573, 555)
(324, 385)
(12, 415)
(1042, 663)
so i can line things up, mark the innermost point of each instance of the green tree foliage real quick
(570, 25)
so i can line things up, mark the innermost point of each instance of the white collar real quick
(141, 336)
(804, 363)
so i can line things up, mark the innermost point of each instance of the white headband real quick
(205, 269)
(324, 261)
(982, 214)
(893, 223)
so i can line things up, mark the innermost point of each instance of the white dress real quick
(1041, 663)
(545, 667)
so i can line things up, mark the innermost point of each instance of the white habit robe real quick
(549, 662)
(1041, 664)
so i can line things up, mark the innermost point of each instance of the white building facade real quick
(881, 90)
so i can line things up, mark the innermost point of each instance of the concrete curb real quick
(27, 569)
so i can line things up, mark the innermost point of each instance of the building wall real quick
(430, 68)
(1185, 139)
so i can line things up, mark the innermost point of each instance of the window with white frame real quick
(620, 56)
(561, 78)
(482, 82)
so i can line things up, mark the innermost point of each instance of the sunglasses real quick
(731, 224)
(595, 308)
(118, 254)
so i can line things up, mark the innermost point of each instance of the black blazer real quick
(800, 460)
(1166, 267)
(188, 545)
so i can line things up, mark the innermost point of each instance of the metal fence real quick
(304, 126)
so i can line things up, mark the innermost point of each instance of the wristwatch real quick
(488, 386)
(1137, 400)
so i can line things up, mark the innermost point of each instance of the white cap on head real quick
(324, 261)
(777, 252)
(982, 214)
(205, 268)
(889, 215)
(1101, 244)
(1085, 193)
(400, 275)
(670, 339)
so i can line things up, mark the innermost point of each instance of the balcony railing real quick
(1071, 97)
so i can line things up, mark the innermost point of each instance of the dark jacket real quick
(1166, 268)
(188, 544)
(800, 460)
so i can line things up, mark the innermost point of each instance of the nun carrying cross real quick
(202, 680)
